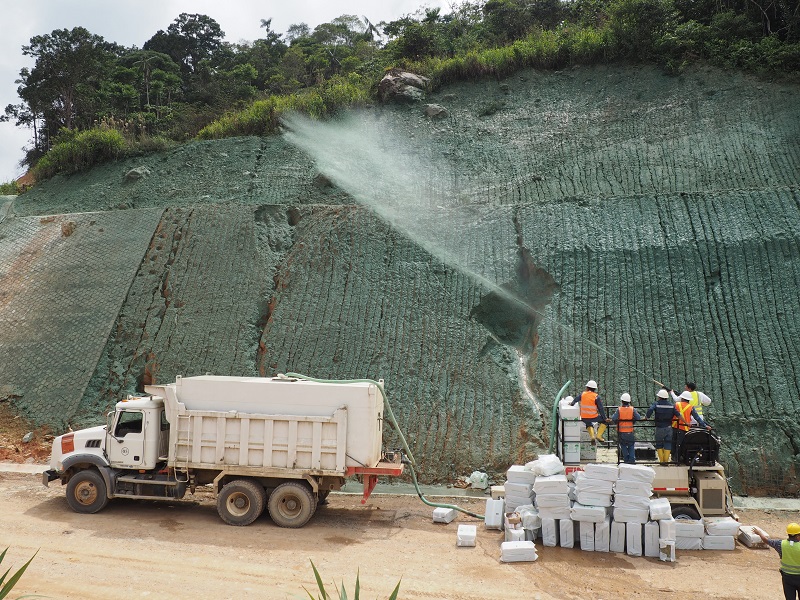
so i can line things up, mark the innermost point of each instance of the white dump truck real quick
(279, 443)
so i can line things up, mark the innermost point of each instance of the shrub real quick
(341, 592)
(10, 188)
(75, 152)
(6, 586)
(263, 116)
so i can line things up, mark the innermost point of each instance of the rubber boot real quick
(660, 452)
(667, 455)
(590, 429)
(600, 431)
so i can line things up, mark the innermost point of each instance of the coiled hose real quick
(412, 463)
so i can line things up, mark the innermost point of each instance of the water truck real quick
(278, 443)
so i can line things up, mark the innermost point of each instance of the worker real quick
(699, 399)
(592, 411)
(663, 411)
(625, 416)
(789, 551)
(687, 411)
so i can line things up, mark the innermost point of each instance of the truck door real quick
(126, 449)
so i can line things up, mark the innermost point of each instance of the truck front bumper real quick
(48, 476)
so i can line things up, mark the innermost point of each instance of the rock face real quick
(403, 86)
(632, 211)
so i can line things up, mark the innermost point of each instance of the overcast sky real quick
(133, 23)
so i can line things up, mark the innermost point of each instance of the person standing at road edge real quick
(789, 551)
(624, 417)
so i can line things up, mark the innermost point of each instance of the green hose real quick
(554, 425)
(393, 421)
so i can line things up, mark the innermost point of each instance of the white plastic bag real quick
(478, 480)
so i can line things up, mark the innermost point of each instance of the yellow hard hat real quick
(793, 529)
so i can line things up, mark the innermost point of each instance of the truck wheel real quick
(291, 504)
(241, 502)
(86, 492)
(685, 512)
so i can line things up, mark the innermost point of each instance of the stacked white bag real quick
(689, 534)
(531, 522)
(518, 487)
(593, 491)
(720, 533)
(552, 497)
(632, 492)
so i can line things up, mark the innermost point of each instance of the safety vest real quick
(790, 557)
(625, 423)
(686, 412)
(695, 402)
(589, 405)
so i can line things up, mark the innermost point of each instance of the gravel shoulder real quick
(183, 550)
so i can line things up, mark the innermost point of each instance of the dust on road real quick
(183, 550)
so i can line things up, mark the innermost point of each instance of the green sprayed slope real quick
(655, 216)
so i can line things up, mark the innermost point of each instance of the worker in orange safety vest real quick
(625, 416)
(592, 411)
(679, 428)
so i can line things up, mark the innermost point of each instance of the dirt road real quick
(153, 550)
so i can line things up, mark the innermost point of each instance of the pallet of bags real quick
(641, 473)
(444, 515)
(545, 465)
(651, 539)
(531, 522)
(749, 537)
(602, 536)
(567, 533)
(607, 472)
(720, 534)
(689, 534)
(518, 552)
(493, 516)
(466, 536)
(660, 509)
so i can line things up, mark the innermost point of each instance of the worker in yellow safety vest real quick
(688, 415)
(789, 551)
(592, 411)
(699, 399)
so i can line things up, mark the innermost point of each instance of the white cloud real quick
(133, 23)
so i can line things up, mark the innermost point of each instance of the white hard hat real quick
(592, 384)
(662, 394)
(686, 396)
(626, 398)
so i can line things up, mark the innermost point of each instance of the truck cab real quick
(137, 434)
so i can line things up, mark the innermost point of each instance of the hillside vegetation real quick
(88, 100)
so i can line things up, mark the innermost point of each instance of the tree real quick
(64, 88)
(189, 39)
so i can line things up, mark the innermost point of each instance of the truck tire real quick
(241, 502)
(86, 492)
(685, 512)
(291, 504)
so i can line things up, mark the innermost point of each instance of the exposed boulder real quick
(436, 111)
(137, 174)
(403, 86)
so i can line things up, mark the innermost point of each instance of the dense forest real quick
(87, 100)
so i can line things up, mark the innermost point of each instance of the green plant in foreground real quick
(5, 588)
(342, 593)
